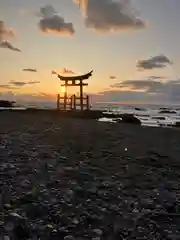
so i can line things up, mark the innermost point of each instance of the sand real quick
(82, 179)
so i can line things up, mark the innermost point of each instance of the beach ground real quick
(82, 179)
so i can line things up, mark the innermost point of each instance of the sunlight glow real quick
(63, 89)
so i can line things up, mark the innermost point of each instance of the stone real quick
(98, 231)
(6, 237)
(1, 223)
(9, 226)
(69, 237)
(129, 118)
(168, 111)
(16, 215)
(7, 206)
(6, 104)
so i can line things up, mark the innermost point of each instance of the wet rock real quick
(98, 231)
(15, 215)
(6, 104)
(36, 210)
(140, 109)
(69, 237)
(17, 226)
(6, 237)
(166, 198)
(129, 118)
(7, 206)
(159, 118)
(168, 111)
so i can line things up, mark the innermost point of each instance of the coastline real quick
(77, 177)
(167, 118)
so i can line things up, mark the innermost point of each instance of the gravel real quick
(81, 179)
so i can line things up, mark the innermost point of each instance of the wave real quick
(153, 116)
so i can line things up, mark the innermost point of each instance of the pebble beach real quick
(83, 179)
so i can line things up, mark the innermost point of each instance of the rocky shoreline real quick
(82, 179)
(6, 104)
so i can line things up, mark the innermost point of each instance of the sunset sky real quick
(132, 46)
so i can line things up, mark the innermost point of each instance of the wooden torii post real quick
(74, 81)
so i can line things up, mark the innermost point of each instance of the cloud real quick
(4, 86)
(53, 72)
(112, 77)
(121, 96)
(109, 15)
(141, 91)
(160, 61)
(6, 34)
(33, 82)
(22, 84)
(7, 86)
(67, 71)
(134, 91)
(156, 77)
(19, 84)
(169, 89)
(8, 45)
(51, 22)
(138, 85)
(29, 70)
(20, 97)
(63, 71)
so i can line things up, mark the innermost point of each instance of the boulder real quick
(168, 111)
(6, 104)
(159, 118)
(129, 118)
(140, 109)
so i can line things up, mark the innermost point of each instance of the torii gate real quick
(74, 81)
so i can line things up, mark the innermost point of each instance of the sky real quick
(132, 46)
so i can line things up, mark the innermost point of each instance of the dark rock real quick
(129, 118)
(17, 226)
(69, 237)
(164, 108)
(36, 210)
(98, 231)
(6, 104)
(140, 109)
(159, 118)
(110, 115)
(168, 111)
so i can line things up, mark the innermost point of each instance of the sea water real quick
(148, 114)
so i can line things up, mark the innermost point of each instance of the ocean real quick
(156, 115)
(149, 114)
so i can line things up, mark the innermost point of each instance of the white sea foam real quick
(150, 115)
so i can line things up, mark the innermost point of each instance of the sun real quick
(63, 89)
